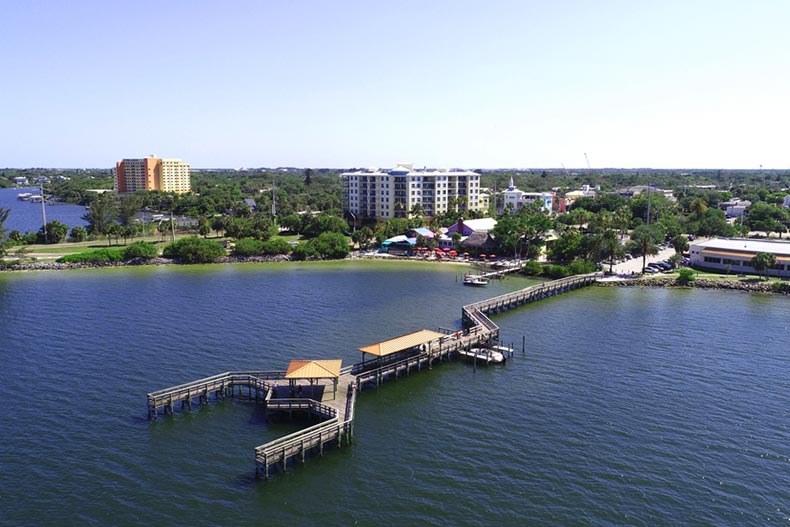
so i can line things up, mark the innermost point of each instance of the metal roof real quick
(779, 248)
(313, 369)
(404, 342)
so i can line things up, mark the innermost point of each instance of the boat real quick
(24, 196)
(477, 280)
(483, 355)
(505, 350)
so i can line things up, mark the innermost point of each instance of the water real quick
(26, 216)
(630, 406)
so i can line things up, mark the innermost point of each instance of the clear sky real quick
(474, 84)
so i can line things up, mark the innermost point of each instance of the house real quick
(735, 254)
(515, 199)
(21, 180)
(735, 208)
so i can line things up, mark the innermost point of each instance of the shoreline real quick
(24, 267)
(701, 283)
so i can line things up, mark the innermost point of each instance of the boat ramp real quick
(324, 391)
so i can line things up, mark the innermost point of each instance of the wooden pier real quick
(282, 393)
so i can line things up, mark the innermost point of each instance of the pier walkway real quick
(283, 393)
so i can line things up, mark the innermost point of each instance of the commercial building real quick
(395, 193)
(734, 255)
(151, 173)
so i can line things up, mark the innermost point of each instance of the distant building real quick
(394, 193)
(151, 173)
(735, 254)
(21, 180)
(786, 203)
(735, 208)
(515, 199)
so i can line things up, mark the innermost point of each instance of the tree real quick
(3, 216)
(78, 234)
(680, 243)
(128, 206)
(363, 237)
(4, 245)
(762, 262)
(55, 232)
(611, 247)
(101, 215)
(308, 176)
(645, 240)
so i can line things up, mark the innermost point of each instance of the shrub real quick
(248, 247)
(276, 246)
(329, 245)
(532, 268)
(95, 256)
(686, 275)
(193, 249)
(555, 271)
(140, 250)
(580, 267)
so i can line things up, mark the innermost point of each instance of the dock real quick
(326, 392)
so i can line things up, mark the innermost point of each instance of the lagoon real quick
(630, 406)
(26, 216)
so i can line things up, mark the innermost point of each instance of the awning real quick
(404, 342)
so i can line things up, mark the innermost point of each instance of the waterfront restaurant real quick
(734, 255)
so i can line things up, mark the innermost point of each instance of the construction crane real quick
(589, 168)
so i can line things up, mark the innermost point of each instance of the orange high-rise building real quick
(151, 173)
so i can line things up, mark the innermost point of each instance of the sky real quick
(341, 84)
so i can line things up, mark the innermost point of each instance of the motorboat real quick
(477, 280)
(24, 196)
(483, 355)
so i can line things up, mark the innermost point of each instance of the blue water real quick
(628, 407)
(27, 217)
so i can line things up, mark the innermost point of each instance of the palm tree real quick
(611, 247)
(644, 241)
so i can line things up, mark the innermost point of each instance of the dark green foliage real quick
(327, 246)
(686, 275)
(95, 256)
(532, 268)
(140, 250)
(78, 234)
(194, 249)
(55, 232)
(251, 247)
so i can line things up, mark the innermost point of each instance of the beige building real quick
(151, 173)
(394, 193)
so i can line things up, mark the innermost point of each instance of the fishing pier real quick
(325, 392)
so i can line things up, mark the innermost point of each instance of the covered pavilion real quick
(395, 348)
(313, 371)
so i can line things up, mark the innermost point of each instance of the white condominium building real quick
(394, 193)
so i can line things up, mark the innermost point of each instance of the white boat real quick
(36, 199)
(477, 280)
(483, 355)
(24, 196)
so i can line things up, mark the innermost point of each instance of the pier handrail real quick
(220, 377)
(295, 438)
(536, 287)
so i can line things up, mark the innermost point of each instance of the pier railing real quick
(201, 388)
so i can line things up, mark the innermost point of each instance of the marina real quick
(308, 381)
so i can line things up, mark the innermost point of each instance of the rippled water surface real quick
(628, 406)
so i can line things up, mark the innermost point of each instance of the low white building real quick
(735, 254)
(515, 199)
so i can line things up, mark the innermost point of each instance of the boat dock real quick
(324, 391)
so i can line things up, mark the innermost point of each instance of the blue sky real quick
(686, 84)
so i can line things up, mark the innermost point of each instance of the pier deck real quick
(335, 408)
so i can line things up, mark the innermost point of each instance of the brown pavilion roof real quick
(313, 369)
(404, 342)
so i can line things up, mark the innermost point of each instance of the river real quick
(628, 406)
(27, 217)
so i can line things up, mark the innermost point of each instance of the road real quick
(635, 265)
